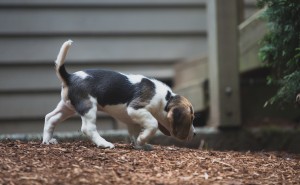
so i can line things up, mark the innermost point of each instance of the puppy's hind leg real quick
(59, 114)
(89, 127)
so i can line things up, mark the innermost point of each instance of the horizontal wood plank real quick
(20, 78)
(190, 71)
(118, 3)
(196, 92)
(37, 125)
(31, 105)
(101, 2)
(250, 3)
(43, 50)
(105, 21)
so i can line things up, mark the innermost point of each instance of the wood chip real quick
(80, 162)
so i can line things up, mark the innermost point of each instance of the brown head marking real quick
(180, 116)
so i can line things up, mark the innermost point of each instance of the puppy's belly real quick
(118, 112)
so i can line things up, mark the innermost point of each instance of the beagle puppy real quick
(144, 104)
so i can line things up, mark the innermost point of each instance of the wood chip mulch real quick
(80, 162)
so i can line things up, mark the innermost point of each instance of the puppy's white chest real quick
(118, 112)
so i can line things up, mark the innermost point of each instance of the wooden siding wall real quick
(131, 36)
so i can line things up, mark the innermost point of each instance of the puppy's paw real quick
(110, 145)
(51, 141)
(146, 147)
(106, 145)
(140, 141)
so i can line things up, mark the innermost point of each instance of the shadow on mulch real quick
(80, 162)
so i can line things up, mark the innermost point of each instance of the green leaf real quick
(280, 48)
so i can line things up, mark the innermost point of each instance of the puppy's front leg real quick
(147, 122)
(134, 131)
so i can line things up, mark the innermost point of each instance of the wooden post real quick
(240, 11)
(223, 63)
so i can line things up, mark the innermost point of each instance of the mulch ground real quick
(80, 162)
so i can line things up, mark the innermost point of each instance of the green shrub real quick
(280, 48)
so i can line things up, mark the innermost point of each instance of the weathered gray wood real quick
(36, 50)
(251, 3)
(37, 125)
(20, 78)
(100, 2)
(189, 81)
(251, 32)
(190, 71)
(28, 105)
(196, 93)
(249, 11)
(134, 36)
(240, 11)
(223, 63)
(85, 21)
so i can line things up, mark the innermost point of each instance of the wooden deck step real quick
(191, 76)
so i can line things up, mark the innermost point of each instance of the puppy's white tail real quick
(61, 72)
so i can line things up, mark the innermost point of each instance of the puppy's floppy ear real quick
(177, 120)
(170, 116)
(180, 125)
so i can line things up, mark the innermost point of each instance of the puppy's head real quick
(180, 117)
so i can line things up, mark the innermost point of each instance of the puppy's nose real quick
(194, 134)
